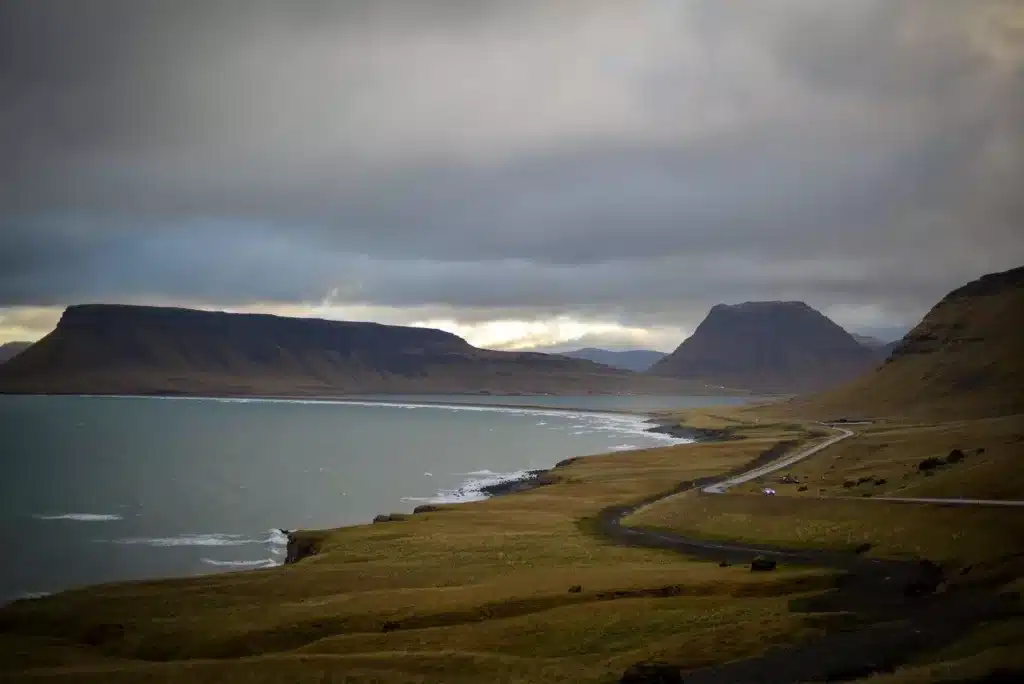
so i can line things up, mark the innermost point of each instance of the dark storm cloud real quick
(627, 161)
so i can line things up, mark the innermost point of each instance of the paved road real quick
(720, 487)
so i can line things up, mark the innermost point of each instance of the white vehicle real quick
(768, 491)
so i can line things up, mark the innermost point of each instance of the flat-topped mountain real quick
(965, 359)
(112, 349)
(776, 347)
(638, 360)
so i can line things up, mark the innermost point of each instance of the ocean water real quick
(99, 489)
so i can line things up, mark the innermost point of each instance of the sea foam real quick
(81, 517)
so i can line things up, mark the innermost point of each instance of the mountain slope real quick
(965, 359)
(782, 347)
(106, 349)
(638, 360)
(9, 350)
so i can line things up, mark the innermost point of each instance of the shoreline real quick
(412, 399)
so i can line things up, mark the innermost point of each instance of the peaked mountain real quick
(965, 359)
(768, 347)
(9, 350)
(638, 360)
(108, 349)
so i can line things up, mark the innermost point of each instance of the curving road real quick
(720, 487)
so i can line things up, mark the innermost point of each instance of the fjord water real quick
(98, 489)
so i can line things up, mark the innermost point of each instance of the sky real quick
(526, 174)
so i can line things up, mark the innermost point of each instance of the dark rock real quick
(532, 480)
(381, 518)
(724, 564)
(862, 480)
(848, 484)
(762, 564)
(575, 589)
(880, 481)
(802, 488)
(788, 479)
(863, 548)
(966, 569)
(955, 456)
(925, 579)
(979, 450)
(652, 673)
(929, 464)
(389, 626)
(426, 508)
(695, 434)
(299, 547)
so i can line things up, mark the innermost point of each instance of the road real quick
(785, 462)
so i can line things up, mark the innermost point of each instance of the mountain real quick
(965, 359)
(768, 347)
(637, 360)
(868, 341)
(9, 350)
(108, 349)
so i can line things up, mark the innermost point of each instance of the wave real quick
(471, 489)
(81, 517)
(261, 563)
(31, 595)
(277, 538)
(194, 540)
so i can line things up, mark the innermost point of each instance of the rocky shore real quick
(664, 426)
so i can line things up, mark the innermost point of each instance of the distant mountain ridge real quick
(965, 359)
(638, 360)
(8, 350)
(771, 347)
(118, 349)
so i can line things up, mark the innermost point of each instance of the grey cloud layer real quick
(635, 161)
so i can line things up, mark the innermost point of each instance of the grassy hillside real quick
(964, 360)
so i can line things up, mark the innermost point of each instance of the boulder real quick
(955, 456)
(863, 548)
(575, 589)
(762, 564)
(393, 517)
(929, 464)
(426, 508)
(652, 673)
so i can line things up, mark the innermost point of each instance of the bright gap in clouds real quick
(558, 332)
